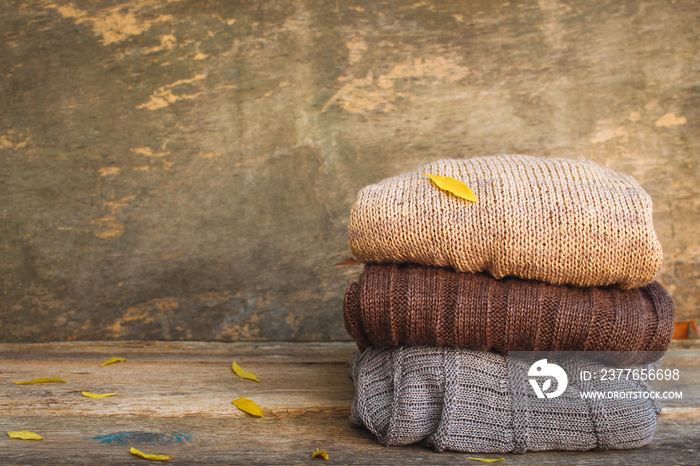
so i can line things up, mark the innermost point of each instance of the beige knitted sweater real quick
(564, 222)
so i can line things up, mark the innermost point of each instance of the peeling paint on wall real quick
(246, 330)
(14, 140)
(606, 134)
(108, 228)
(356, 46)
(148, 152)
(107, 171)
(164, 96)
(359, 95)
(670, 119)
(160, 311)
(114, 24)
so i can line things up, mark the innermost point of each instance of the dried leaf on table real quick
(98, 395)
(320, 454)
(249, 406)
(25, 435)
(453, 186)
(486, 460)
(244, 374)
(150, 456)
(41, 380)
(112, 361)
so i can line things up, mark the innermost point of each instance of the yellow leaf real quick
(25, 435)
(150, 456)
(248, 406)
(454, 186)
(486, 460)
(98, 395)
(244, 374)
(321, 453)
(112, 361)
(41, 380)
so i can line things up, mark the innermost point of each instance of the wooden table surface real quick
(175, 398)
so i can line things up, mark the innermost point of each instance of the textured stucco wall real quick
(185, 169)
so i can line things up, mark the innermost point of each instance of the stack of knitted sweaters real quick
(555, 255)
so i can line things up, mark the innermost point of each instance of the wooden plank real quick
(175, 398)
(285, 440)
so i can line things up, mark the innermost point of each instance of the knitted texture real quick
(564, 222)
(459, 399)
(420, 305)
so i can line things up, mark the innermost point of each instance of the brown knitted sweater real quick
(420, 305)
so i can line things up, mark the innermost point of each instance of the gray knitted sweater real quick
(464, 400)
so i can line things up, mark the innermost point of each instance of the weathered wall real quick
(185, 169)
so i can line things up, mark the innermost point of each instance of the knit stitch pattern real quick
(459, 399)
(564, 222)
(420, 305)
